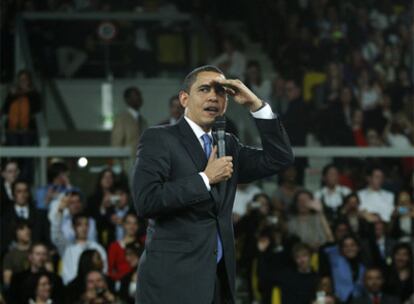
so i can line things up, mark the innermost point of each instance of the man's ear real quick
(183, 97)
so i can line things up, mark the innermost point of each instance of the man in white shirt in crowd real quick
(374, 199)
(72, 251)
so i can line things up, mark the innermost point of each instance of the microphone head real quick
(220, 123)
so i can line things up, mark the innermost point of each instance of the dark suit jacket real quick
(385, 299)
(179, 261)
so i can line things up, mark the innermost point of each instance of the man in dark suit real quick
(373, 282)
(23, 209)
(187, 193)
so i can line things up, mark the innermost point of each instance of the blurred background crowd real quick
(338, 73)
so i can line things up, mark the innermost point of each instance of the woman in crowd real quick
(308, 221)
(402, 221)
(118, 266)
(133, 253)
(346, 269)
(42, 289)
(399, 275)
(100, 201)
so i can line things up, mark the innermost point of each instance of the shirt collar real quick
(198, 131)
(133, 112)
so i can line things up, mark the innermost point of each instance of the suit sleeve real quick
(275, 155)
(154, 192)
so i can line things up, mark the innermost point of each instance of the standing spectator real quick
(279, 99)
(15, 259)
(346, 269)
(298, 284)
(39, 262)
(58, 183)
(9, 174)
(232, 61)
(72, 251)
(373, 198)
(101, 201)
(254, 80)
(118, 266)
(61, 216)
(331, 194)
(399, 275)
(288, 187)
(129, 282)
(308, 221)
(373, 293)
(129, 124)
(402, 221)
(176, 111)
(23, 209)
(21, 105)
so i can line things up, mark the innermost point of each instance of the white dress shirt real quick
(332, 198)
(22, 211)
(263, 113)
(380, 202)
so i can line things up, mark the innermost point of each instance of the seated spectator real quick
(399, 275)
(73, 250)
(101, 201)
(23, 209)
(118, 266)
(332, 194)
(176, 111)
(308, 221)
(9, 174)
(298, 284)
(61, 216)
(244, 195)
(288, 187)
(96, 290)
(346, 269)
(127, 291)
(89, 260)
(58, 184)
(373, 198)
(372, 292)
(232, 61)
(15, 259)
(254, 80)
(402, 221)
(39, 262)
(374, 138)
(42, 289)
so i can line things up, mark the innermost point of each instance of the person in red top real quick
(117, 263)
(357, 129)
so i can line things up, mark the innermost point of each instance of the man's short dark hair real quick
(55, 169)
(372, 169)
(328, 167)
(77, 217)
(20, 181)
(300, 247)
(128, 91)
(192, 76)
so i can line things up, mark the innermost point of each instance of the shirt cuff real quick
(205, 180)
(264, 113)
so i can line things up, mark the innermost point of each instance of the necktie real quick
(207, 150)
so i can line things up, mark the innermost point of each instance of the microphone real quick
(220, 126)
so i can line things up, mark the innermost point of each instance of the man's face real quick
(39, 255)
(373, 281)
(205, 101)
(10, 172)
(292, 91)
(95, 280)
(302, 260)
(21, 194)
(331, 177)
(135, 100)
(81, 228)
(24, 234)
(376, 179)
(75, 204)
(350, 248)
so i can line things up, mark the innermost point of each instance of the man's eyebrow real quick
(205, 85)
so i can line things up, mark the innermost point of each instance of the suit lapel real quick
(196, 152)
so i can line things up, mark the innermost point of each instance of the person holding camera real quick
(402, 220)
(96, 290)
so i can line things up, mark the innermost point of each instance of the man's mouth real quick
(211, 109)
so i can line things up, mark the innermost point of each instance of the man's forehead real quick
(208, 77)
